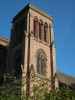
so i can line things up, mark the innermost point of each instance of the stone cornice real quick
(30, 6)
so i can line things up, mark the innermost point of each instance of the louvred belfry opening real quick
(36, 27)
(41, 29)
(45, 31)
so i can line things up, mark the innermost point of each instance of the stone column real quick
(24, 70)
(54, 55)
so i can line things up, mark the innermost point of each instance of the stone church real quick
(31, 50)
(30, 55)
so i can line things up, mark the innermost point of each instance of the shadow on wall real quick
(3, 57)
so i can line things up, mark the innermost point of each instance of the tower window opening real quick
(41, 29)
(45, 31)
(36, 27)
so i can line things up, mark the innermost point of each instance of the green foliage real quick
(61, 94)
(12, 91)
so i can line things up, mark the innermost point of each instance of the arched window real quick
(50, 33)
(41, 62)
(45, 31)
(41, 29)
(36, 27)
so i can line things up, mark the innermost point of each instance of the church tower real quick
(32, 50)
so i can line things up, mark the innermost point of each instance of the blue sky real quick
(64, 27)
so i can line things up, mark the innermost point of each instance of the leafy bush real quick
(12, 91)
